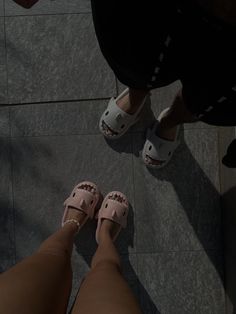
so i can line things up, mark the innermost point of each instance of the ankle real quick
(136, 97)
(106, 229)
(71, 227)
(165, 124)
(139, 93)
(106, 264)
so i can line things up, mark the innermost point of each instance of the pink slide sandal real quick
(85, 197)
(114, 210)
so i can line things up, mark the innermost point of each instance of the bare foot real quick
(129, 107)
(166, 134)
(130, 103)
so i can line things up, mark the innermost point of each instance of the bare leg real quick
(177, 114)
(41, 283)
(131, 102)
(104, 289)
(167, 127)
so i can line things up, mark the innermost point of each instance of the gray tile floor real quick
(55, 85)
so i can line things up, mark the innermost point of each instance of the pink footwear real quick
(113, 210)
(85, 197)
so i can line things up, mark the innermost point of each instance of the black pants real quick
(149, 45)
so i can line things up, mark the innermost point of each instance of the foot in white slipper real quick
(112, 216)
(158, 151)
(115, 122)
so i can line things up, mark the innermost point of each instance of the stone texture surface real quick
(58, 85)
(55, 57)
(48, 7)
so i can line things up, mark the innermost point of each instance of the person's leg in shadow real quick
(41, 283)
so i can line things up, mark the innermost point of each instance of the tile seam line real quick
(15, 105)
(68, 134)
(48, 14)
(181, 251)
(60, 135)
(55, 135)
(135, 215)
(221, 189)
(12, 190)
(75, 134)
(5, 45)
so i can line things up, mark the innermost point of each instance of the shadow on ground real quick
(123, 243)
(127, 237)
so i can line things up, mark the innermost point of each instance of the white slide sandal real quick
(116, 119)
(157, 148)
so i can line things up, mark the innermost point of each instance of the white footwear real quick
(117, 119)
(157, 148)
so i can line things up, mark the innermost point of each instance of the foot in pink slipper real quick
(114, 210)
(81, 204)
